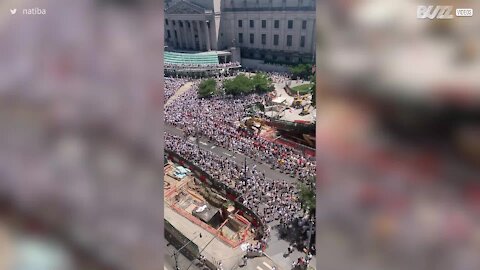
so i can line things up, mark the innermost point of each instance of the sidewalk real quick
(276, 248)
(215, 250)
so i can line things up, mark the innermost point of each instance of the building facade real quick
(277, 31)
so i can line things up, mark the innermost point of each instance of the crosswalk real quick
(265, 265)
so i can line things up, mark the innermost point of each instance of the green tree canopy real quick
(301, 71)
(314, 89)
(307, 197)
(239, 85)
(262, 83)
(207, 88)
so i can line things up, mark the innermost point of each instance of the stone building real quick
(277, 31)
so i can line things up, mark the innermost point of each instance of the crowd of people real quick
(218, 119)
(172, 85)
(190, 65)
(279, 77)
(270, 199)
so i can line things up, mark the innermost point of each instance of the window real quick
(168, 33)
(181, 23)
(264, 24)
(240, 22)
(289, 40)
(276, 24)
(188, 24)
(173, 22)
(252, 38)
(290, 24)
(166, 21)
(302, 41)
(252, 24)
(176, 36)
(275, 40)
(264, 39)
(240, 37)
(304, 24)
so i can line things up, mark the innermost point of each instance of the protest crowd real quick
(218, 120)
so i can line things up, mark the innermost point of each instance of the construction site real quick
(194, 208)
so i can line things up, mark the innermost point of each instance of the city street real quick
(276, 246)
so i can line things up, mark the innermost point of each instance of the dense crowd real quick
(279, 77)
(189, 65)
(269, 199)
(218, 120)
(172, 85)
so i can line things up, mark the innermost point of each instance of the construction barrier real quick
(222, 188)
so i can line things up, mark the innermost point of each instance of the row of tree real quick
(240, 85)
(302, 71)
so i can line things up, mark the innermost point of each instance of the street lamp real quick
(175, 253)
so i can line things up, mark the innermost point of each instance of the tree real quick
(207, 88)
(262, 83)
(307, 197)
(301, 71)
(314, 90)
(240, 85)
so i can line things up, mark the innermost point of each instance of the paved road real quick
(261, 263)
(178, 93)
(237, 157)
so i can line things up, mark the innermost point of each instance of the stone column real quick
(200, 34)
(180, 35)
(183, 31)
(207, 33)
(176, 28)
(192, 34)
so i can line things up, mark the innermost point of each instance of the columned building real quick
(278, 31)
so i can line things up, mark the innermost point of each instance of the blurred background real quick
(80, 112)
(398, 136)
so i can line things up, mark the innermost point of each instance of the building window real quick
(252, 38)
(252, 24)
(289, 40)
(180, 23)
(240, 37)
(240, 23)
(275, 40)
(264, 23)
(173, 22)
(276, 24)
(176, 36)
(290, 24)
(302, 41)
(264, 39)
(188, 24)
(168, 34)
(166, 21)
(304, 25)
